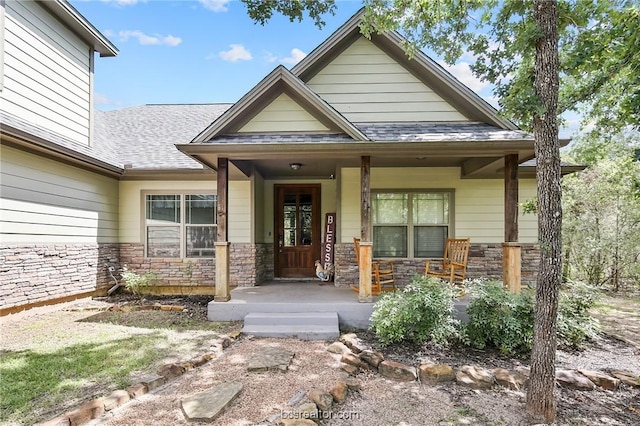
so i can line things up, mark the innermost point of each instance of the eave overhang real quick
(17, 138)
(81, 26)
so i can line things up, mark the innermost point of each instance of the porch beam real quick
(366, 246)
(474, 166)
(511, 249)
(222, 292)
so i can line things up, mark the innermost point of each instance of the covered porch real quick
(300, 296)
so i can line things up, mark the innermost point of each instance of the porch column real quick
(511, 249)
(366, 246)
(222, 245)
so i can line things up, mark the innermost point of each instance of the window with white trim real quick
(180, 225)
(410, 224)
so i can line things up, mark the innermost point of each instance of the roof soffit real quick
(466, 101)
(279, 81)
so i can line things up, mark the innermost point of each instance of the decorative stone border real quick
(357, 356)
(97, 407)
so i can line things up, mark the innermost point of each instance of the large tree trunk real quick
(541, 403)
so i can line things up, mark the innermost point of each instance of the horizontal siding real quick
(366, 85)
(283, 115)
(131, 206)
(47, 72)
(478, 204)
(43, 201)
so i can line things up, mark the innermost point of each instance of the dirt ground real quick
(379, 402)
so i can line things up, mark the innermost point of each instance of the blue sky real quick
(204, 51)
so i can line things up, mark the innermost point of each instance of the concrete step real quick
(301, 325)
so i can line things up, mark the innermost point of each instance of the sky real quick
(208, 51)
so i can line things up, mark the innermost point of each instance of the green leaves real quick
(421, 312)
(261, 11)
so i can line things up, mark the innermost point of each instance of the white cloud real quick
(147, 40)
(215, 5)
(296, 56)
(462, 72)
(237, 52)
(103, 100)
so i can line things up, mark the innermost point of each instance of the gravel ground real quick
(380, 402)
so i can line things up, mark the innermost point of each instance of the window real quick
(180, 225)
(410, 224)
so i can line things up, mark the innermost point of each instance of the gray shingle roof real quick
(101, 150)
(432, 132)
(251, 138)
(144, 136)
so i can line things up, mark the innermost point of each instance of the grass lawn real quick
(66, 364)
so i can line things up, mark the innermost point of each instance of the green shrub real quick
(135, 282)
(422, 311)
(505, 320)
(575, 323)
(500, 318)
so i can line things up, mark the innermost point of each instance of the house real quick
(222, 195)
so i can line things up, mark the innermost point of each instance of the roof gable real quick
(266, 97)
(367, 85)
(283, 114)
(315, 66)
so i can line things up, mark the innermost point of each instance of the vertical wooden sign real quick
(328, 240)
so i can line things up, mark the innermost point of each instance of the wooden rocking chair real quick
(382, 278)
(454, 262)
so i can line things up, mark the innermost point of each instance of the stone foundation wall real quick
(170, 271)
(485, 261)
(33, 274)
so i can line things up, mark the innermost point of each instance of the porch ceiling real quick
(322, 162)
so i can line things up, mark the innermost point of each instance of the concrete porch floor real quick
(301, 296)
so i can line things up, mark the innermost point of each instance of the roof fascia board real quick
(81, 26)
(305, 68)
(251, 151)
(264, 92)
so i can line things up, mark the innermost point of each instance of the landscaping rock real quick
(207, 405)
(573, 379)
(271, 358)
(116, 399)
(307, 411)
(353, 383)
(397, 371)
(475, 377)
(137, 390)
(351, 359)
(600, 379)
(509, 379)
(371, 358)
(295, 399)
(352, 341)
(153, 382)
(170, 371)
(351, 369)
(322, 399)
(627, 377)
(338, 348)
(432, 373)
(339, 392)
(201, 360)
(79, 416)
(95, 407)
